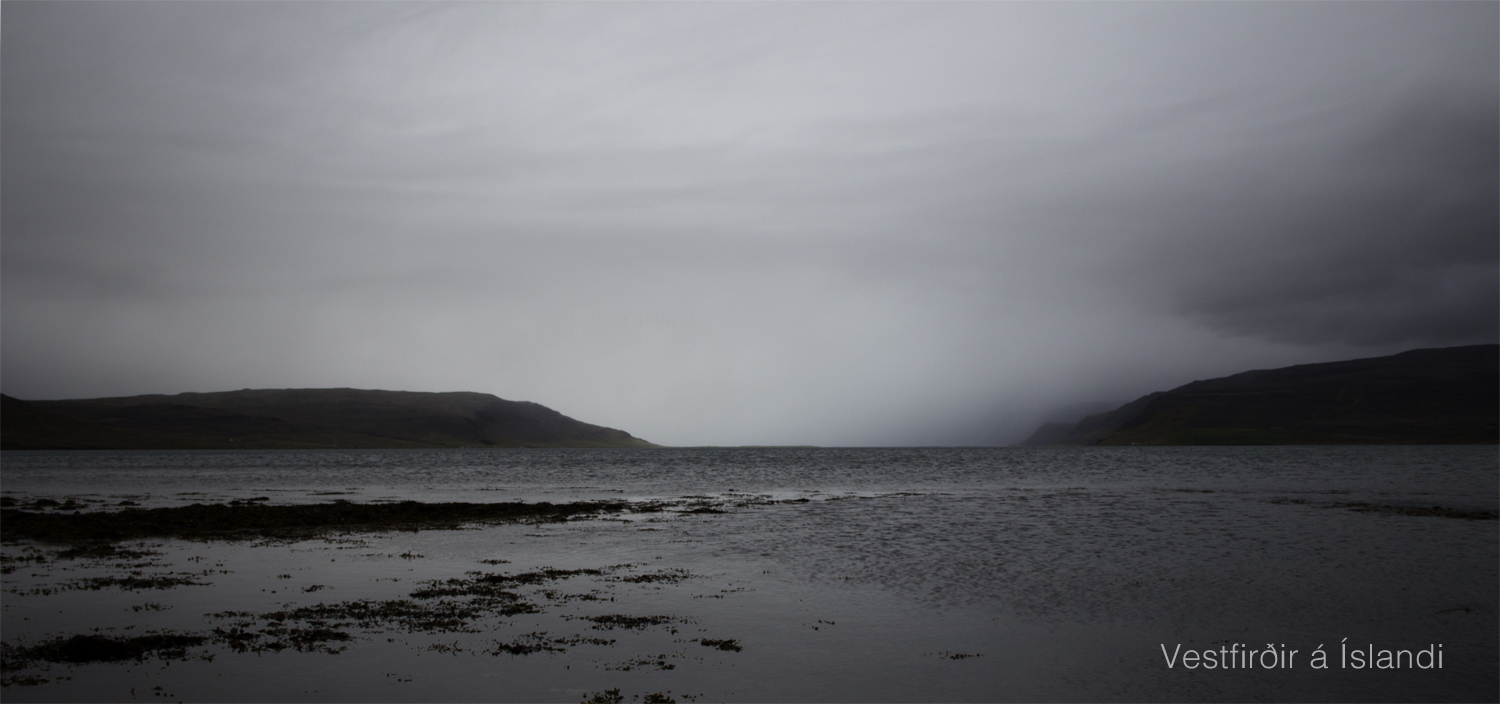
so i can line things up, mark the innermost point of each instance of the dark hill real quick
(1434, 396)
(297, 418)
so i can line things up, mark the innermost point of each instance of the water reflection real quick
(877, 575)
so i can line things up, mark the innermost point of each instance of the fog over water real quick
(742, 223)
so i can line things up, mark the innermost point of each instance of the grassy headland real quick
(296, 419)
(1433, 396)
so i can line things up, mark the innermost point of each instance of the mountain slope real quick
(298, 418)
(1431, 396)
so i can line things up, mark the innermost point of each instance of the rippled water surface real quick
(788, 575)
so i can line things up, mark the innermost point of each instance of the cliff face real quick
(1432, 396)
(297, 418)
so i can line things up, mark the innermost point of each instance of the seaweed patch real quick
(254, 520)
(1428, 511)
(650, 662)
(1392, 510)
(538, 642)
(481, 604)
(729, 644)
(666, 576)
(133, 583)
(609, 622)
(100, 648)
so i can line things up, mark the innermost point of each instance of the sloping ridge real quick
(1092, 428)
(1430, 396)
(298, 418)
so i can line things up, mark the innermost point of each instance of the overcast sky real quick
(835, 223)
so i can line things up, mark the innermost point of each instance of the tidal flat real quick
(764, 575)
(140, 568)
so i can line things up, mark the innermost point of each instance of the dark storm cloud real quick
(880, 223)
(1382, 232)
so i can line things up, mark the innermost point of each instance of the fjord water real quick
(926, 574)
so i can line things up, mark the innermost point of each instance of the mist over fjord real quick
(833, 224)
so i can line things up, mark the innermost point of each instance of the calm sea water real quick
(906, 575)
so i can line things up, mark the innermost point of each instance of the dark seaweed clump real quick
(102, 648)
(9, 563)
(539, 641)
(105, 551)
(613, 696)
(650, 662)
(368, 614)
(131, 583)
(253, 520)
(495, 585)
(438, 606)
(134, 583)
(667, 576)
(723, 644)
(1430, 511)
(277, 637)
(610, 622)
(1419, 511)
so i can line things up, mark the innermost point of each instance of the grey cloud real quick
(1390, 235)
(889, 223)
